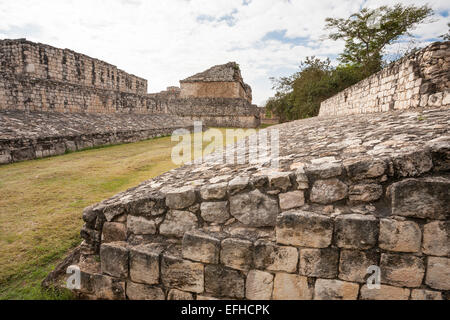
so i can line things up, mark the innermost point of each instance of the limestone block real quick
(413, 164)
(144, 263)
(113, 232)
(365, 168)
(438, 273)
(304, 229)
(254, 209)
(402, 270)
(365, 192)
(202, 247)
(302, 179)
(280, 180)
(436, 238)
(335, 290)
(214, 192)
(271, 257)
(176, 223)
(182, 274)
(421, 198)
(355, 231)
(140, 225)
(259, 285)
(400, 236)
(292, 287)
(180, 198)
(114, 259)
(292, 200)
(175, 294)
(107, 288)
(384, 293)
(137, 291)
(215, 212)
(319, 263)
(354, 264)
(324, 170)
(223, 282)
(238, 184)
(328, 191)
(236, 253)
(421, 294)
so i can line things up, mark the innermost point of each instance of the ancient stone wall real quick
(40, 61)
(344, 198)
(214, 89)
(420, 80)
(32, 135)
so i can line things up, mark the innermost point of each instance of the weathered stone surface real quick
(365, 168)
(222, 282)
(302, 179)
(259, 285)
(292, 200)
(238, 184)
(319, 263)
(421, 294)
(113, 232)
(304, 229)
(402, 270)
(324, 170)
(215, 212)
(356, 231)
(254, 209)
(114, 259)
(328, 191)
(175, 294)
(202, 247)
(141, 225)
(180, 198)
(236, 253)
(365, 192)
(436, 238)
(354, 264)
(413, 164)
(280, 180)
(400, 236)
(291, 287)
(384, 293)
(421, 198)
(144, 263)
(271, 257)
(177, 223)
(335, 290)
(182, 274)
(137, 291)
(214, 192)
(438, 273)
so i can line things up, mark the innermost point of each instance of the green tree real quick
(368, 32)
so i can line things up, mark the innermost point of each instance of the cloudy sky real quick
(165, 41)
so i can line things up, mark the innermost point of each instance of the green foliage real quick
(368, 32)
(366, 35)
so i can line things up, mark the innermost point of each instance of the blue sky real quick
(166, 41)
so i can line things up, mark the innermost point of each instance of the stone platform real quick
(351, 192)
(31, 135)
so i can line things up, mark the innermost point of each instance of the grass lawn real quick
(41, 203)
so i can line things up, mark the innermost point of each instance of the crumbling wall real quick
(346, 198)
(420, 80)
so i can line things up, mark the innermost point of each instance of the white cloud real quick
(165, 41)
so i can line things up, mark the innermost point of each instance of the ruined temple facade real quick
(42, 88)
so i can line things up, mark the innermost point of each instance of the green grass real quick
(41, 203)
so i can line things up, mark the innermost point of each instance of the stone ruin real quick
(56, 100)
(351, 191)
